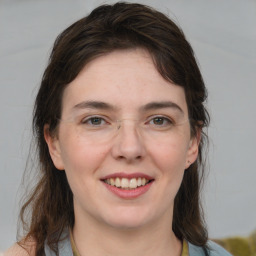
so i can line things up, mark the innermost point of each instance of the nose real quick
(128, 145)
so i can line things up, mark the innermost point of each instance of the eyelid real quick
(108, 120)
(84, 120)
(167, 118)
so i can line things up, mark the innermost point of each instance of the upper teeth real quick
(127, 183)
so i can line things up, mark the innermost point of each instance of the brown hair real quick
(105, 29)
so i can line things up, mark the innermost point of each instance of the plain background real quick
(223, 35)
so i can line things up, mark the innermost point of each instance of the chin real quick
(128, 219)
(126, 224)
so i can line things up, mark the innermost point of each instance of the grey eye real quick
(94, 121)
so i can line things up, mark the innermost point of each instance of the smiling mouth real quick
(127, 184)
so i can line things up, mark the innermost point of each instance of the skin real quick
(106, 224)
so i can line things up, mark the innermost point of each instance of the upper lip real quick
(127, 175)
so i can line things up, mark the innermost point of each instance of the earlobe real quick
(193, 149)
(54, 148)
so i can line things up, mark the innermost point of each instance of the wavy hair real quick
(106, 29)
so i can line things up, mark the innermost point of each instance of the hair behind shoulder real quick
(106, 29)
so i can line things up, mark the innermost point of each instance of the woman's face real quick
(125, 173)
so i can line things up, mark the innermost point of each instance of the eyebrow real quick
(149, 106)
(94, 105)
(161, 105)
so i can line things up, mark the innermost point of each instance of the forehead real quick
(127, 79)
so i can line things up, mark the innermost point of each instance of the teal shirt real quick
(215, 250)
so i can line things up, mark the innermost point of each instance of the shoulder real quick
(16, 250)
(213, 250)
(20, 249)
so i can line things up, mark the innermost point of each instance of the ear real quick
(193, 149)
(54, 148)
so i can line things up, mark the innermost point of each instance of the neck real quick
(95, 239)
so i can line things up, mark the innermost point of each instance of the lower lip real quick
(129, 194)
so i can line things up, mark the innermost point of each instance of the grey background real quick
(223, 35)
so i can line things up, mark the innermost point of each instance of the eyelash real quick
(90, 119)
(166, 121)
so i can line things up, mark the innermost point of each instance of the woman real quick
(119, 121)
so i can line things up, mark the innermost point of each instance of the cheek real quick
(170, 156)
(82, 163)
(80, 157)
(170, 161)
